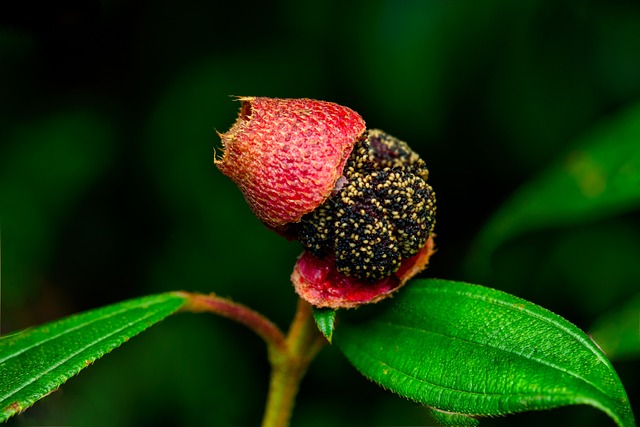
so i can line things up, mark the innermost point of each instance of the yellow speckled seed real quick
(384, 197)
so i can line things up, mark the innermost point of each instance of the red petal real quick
(319, 282)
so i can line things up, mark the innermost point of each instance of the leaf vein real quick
(72, 355)
(67, 331)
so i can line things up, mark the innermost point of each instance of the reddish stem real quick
(289, 356)
(263, 327)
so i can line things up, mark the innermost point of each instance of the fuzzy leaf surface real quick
(469, 349)
(36, 361)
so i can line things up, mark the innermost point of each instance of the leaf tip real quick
(325, 320)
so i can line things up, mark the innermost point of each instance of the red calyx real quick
(319, 282)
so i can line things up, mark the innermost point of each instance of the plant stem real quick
(263, 327)
(288, 368)
(289, 356)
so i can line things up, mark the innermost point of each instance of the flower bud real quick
(357, 199)
(286, 155)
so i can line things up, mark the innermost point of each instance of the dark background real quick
(108, 114)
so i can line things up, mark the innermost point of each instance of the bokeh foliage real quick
(108, 114)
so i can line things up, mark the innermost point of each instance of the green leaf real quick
(36, 361)
(472, 350)
(617, 332)
(449, 419)
(325, 319)
(598, 178)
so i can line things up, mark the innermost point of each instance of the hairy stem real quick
(289, 355)
(263, 327)
(288, 368)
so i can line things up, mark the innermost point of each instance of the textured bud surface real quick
(286, 155)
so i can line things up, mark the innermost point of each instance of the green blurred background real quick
(108, 113)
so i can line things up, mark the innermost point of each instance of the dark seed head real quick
(383, 212)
